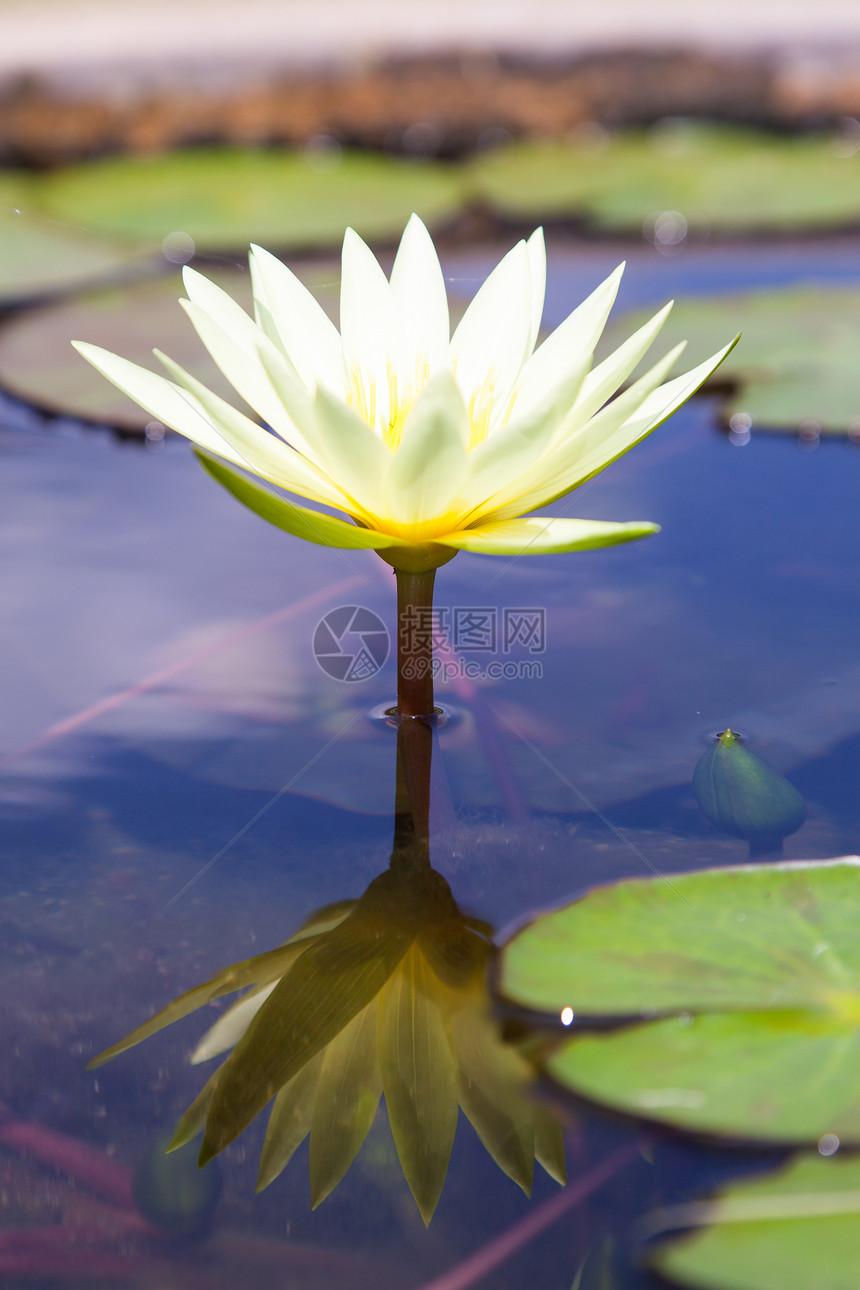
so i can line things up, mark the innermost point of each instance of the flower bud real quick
(744, 796)
(173, 1193)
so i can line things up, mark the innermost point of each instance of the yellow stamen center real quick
(362, 396)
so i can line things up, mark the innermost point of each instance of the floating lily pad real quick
(759, 964)
(38, 364)
(798, 1231)
(796, 361)
(225, 198)
(40, 256)
(785, 1077)
(715, 178)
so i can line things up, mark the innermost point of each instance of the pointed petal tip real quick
(92, 353)
(192, 276)
(415, 230)
(207, 1153)
(656, 321)
(351, 238)
(178, 1140)
(262, 256)
(426, 1211)
(612, 280)
(675, 353)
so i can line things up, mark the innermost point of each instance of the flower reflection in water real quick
(380, 996)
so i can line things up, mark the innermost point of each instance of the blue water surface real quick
(181, 783)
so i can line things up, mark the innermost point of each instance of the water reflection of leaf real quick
(381, 996)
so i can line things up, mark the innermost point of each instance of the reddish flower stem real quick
(415, 643)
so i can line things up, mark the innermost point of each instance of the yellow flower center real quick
(362, 397)
(481, 410)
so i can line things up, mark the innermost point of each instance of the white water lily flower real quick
(430, 443)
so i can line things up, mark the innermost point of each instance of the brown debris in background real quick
(431, 106)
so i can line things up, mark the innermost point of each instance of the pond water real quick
(182, 783)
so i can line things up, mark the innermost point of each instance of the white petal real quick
(651, 413)
(351, 453)
(259, 451)
(514, 448)
(584, 453)
(368, 330)
(237, 355)
(606, 378)
(536, 247)
(160, 398)
(221, 307)
(295, 398)
(668, 398)
(491, 343)
(231, 1025)
(571, 341)
(421, 305)
(429, 466)
(305, 332)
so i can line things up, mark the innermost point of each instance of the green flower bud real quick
(744, 796)
(173, 1192)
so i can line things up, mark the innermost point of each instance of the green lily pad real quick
(716, 178)
(744, 938)
(225, 198)
(41, 256)
(784, 1077)
(761, 967)
(795, 364)
(797, 1231)
(38, 364)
